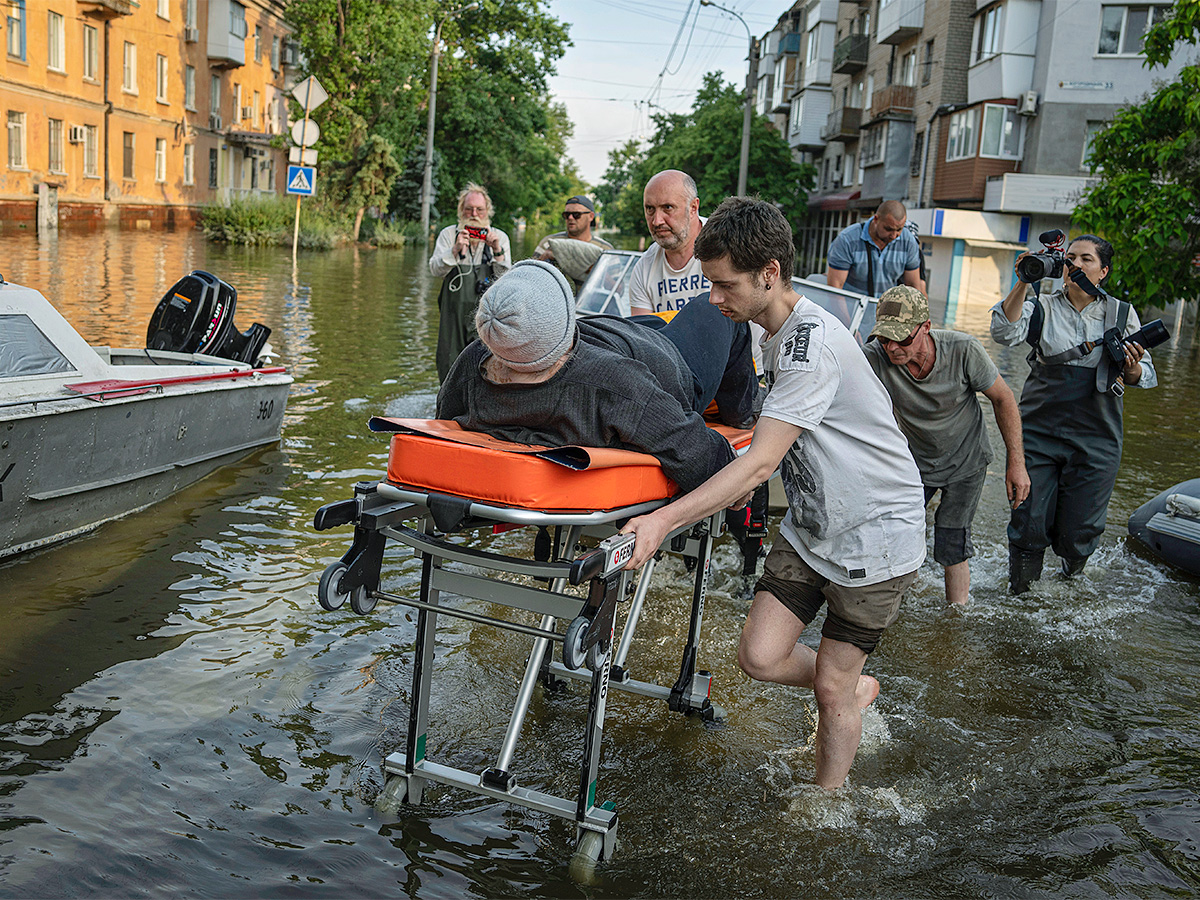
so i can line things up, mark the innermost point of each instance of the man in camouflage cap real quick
(933, 377)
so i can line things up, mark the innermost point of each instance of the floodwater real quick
(179, 717)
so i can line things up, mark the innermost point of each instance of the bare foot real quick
(867, 691)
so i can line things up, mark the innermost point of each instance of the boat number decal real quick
(266, 409)
(2, 477)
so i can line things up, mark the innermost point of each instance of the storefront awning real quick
(839, 200)
(995, 245)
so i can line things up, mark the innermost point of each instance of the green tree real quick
(1147, 199)
(369, 177)
(707, 144)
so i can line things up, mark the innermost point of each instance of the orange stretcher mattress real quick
(438, 455)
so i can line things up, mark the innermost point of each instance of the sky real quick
(610, 79)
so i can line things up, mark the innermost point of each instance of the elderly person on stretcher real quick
(538, 376)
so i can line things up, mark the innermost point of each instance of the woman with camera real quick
(1071, 405)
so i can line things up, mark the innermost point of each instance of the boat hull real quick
(68, 467)
(1173, 538)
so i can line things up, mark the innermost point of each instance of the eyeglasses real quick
(572, 214)
(904, 343)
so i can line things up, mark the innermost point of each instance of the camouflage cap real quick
(900, 310)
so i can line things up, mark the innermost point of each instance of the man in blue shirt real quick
(877, 254)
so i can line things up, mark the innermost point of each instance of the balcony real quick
(850, 54)
(900, 20)
(893, 100)
(789, 44)
(106, 9)
(842, 125)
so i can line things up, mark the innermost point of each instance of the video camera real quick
(1149, 335)
(1048, 264)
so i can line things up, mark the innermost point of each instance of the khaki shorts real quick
(857, 615)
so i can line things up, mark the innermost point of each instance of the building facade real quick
(140, 113)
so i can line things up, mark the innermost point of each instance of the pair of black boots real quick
(1025, 567)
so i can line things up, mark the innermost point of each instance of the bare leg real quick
(770, 650)
(958, 583)
(839, 728)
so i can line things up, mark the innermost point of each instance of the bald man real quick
(872, 256)
(668, 275)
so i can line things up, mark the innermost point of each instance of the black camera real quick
(1048, 264)
(1149, 335)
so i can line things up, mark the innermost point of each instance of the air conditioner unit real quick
(1028, 105)
(247, 112)
(291, 54)
(77, 134)
(214, 121)
(191, 34)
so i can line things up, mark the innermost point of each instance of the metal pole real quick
(751, 78)
(427, 179)
(303, 136)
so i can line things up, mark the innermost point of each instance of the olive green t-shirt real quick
(940, 414)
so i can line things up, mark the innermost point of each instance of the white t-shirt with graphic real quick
(654, 284)
(856, 506)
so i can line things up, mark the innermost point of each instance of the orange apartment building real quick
(140, 112)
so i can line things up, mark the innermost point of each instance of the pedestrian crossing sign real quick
(302, 180)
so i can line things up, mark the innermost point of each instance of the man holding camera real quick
(934, 378)
(1071, 406)
(574, 260)
(468, 257)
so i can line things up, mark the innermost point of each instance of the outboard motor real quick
(196, 316)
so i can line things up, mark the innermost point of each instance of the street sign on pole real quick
(302, 180)
(310, 94)
(302, 156)
(306, 132)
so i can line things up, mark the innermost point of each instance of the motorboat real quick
(1169, 526)
(89, 434)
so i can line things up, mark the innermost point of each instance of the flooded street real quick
(179, 717)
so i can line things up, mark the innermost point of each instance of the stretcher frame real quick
(379, 511)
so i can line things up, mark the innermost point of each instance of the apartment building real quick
(140, 113)
(978, 114)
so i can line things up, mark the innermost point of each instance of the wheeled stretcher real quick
(574, 497)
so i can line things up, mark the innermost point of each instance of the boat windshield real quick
(606, 291)
(24, 350)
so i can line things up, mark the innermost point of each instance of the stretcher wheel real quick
(327, 592)
(587, 854)
(361, 600)
(573, 641)
(595, 657)
(394, 793)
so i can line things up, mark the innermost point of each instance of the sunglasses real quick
(572, 214)
(904, 343)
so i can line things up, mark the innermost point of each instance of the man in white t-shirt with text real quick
(668, 275)
(854, 535)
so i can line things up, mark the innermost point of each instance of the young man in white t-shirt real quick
(855, 532)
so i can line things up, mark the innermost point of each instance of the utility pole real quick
(751, 89)
(427, 180)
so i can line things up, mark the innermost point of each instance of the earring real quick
(768, 285)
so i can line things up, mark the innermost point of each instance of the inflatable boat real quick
(1169, 526)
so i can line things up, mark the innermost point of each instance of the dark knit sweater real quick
(624, 386)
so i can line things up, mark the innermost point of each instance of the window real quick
(1123, 28)
(275, 54)
(164, 9)
(189, 88)
(16, 140)
(27, 350)
(258, 43)
(914, 162)
(814, 45)
(1001, 136)
(237, 20)
(160, 79)
(56, 45)
(54, 146)
(127, 150)
(908, 68)
(927, 64)
(90, 168)
(189, 13)
(214, 95)
(212, 167)
(869, 93)
(848, 170)
(91, 52)
(160, 159)
(987, 34)
(237, 103)
(15, 26)
(874, 145)
(1089, 139)
(961, 141)
(254, 107)
(189, 164)
(129, 72)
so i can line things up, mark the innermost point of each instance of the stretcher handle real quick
(609, 557)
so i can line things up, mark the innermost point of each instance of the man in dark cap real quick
(538, 376)
(579, 216)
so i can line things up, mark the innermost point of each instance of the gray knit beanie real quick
(527, 318)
